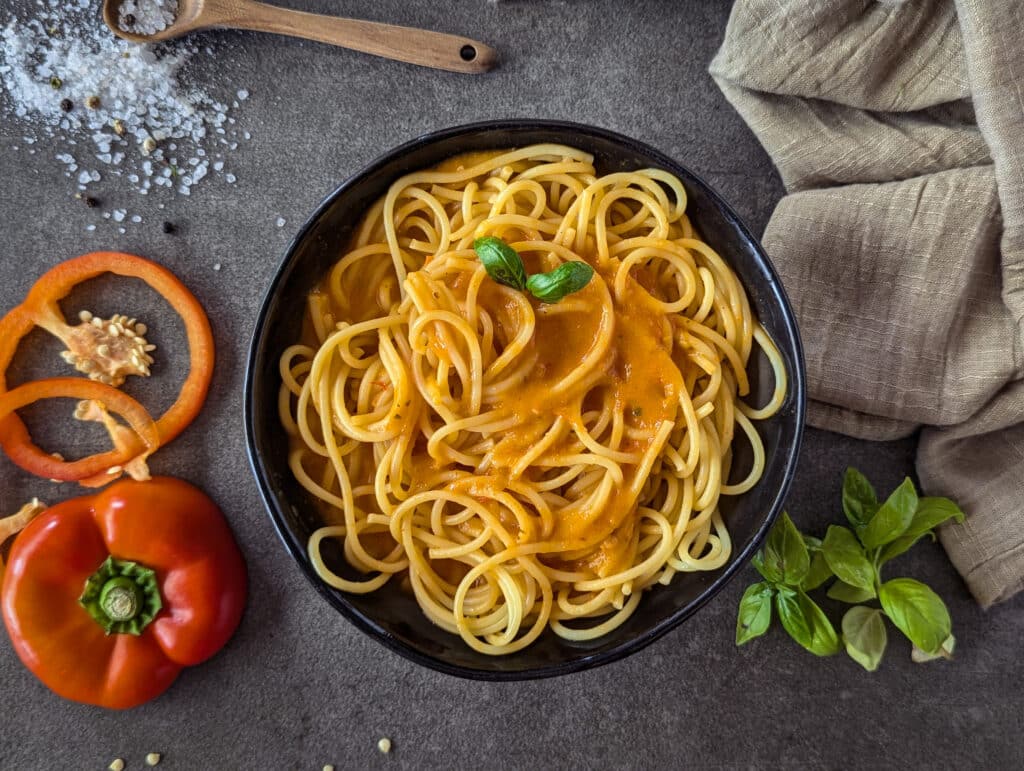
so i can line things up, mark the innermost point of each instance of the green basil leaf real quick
(785, 553)
(892, 518)
(769, 572)
(859, 498)
(805, 622)
(824, 640)
(502, 262)
(918, 656)
(755, 612)
(897, 547)
(567, 278)
(864, 636)
(813, 544)
(916, 611)
(791, 614)
(932, 512)
(850, 594)
(846, 557)
(818, 573)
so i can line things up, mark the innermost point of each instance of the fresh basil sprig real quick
(502, 262)
(505, 266)
(567, 278)
(793, 564)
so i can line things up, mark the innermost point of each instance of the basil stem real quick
(502, 262)
(567, 278)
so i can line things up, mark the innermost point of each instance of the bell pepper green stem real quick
(122, 596)
(120, 599)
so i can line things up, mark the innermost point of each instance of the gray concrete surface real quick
(298, 687)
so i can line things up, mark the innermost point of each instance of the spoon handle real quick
(416, 46)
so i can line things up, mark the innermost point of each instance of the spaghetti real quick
(524, 466)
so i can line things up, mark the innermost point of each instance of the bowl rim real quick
(337, 599)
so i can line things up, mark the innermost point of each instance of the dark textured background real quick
(298, 687)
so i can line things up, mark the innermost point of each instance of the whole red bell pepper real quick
(107, 597)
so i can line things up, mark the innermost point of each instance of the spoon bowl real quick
(416, 46)
(185, 21)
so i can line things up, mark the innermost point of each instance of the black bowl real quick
(392, 616)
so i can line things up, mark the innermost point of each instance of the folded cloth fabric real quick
(898, 129)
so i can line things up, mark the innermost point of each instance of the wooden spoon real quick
(417, 46)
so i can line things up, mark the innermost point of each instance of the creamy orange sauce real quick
(637, 372)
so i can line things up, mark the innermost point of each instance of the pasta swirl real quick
(524, 466)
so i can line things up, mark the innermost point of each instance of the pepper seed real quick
(67, 105)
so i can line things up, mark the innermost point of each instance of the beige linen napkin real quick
(898, 129)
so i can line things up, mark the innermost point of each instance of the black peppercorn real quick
(168, 227)
(66, 105)
(129, 20)
(91, 202)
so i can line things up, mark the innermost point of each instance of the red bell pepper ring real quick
(89, 349)
(52, 467)
(107, 597)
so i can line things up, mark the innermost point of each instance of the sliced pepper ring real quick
(30, 457)
(41, 308)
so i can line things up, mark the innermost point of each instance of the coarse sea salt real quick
(74, 85)
(147, 17)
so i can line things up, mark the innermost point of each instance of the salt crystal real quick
(122, 231)
(242, 94)
(230, 178)
(119, 214)
(136, 218)
(90, 227)
(281, 221)
(147, 17)
(137, 86)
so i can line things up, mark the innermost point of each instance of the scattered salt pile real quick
(118, 110)
(146, 17)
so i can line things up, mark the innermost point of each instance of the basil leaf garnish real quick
(843, 592)
(818, 573)
(918, 656)
(859, 498)
(864, 636)
(892, 518)
(916, 611)
(846, 557)
(932, 512)
(805, 622)
(502, 262)
(896, 548)
(567, 278)
(755, 612)
(785, 557)
(792, 615)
